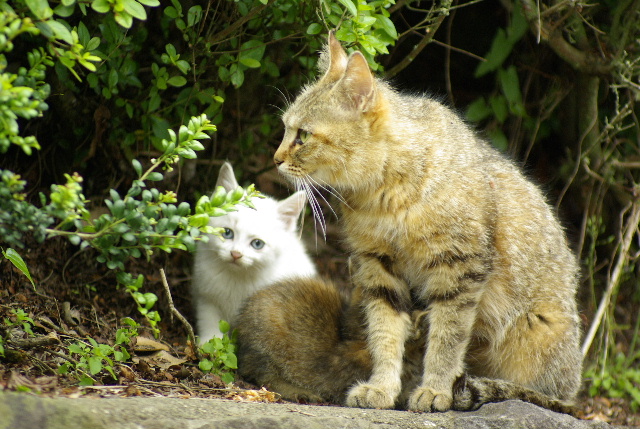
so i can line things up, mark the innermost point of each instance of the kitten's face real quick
(248, 239)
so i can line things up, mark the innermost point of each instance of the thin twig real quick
(426, 39)
(179, 315)
(218, 37)
(630, 230)
(27, 343)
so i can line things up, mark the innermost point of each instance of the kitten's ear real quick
(290, 209)
(333, 60)
(226, 178)
(358, 83)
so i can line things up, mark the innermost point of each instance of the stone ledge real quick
(26, 411)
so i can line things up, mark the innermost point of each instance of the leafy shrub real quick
(219, 355)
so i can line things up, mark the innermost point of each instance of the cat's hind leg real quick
(540, 351)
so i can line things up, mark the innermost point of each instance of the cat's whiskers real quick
(285, 99)
(318, 218)
(333, 191)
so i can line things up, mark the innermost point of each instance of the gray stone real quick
(26, 411)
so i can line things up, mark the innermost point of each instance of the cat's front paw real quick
(427, 399)
(369, 396)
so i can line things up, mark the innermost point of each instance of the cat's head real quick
(253, 238)
(332, 124)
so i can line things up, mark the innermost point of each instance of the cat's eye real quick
(227, 233)
(302, 136)
(257, 244)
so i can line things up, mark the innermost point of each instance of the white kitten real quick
(259, 247)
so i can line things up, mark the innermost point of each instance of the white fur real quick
(221, 283)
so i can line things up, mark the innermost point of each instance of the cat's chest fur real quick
(413, 227)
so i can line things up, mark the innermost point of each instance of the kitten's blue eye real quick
(257, 244)
(227, 233)
(302, 136)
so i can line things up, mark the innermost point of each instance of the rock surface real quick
(27, 411)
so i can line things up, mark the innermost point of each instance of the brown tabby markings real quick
(440, 224)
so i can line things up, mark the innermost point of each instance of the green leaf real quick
(135, 9)
(40, 8)
(171, 12)
(171, 50)
(194, 15)
(86, 381)
(227, 377)
(510, 85)
(518, 26)
(93, 44)
(113, 78)
(498, 139)
(499, 107)
(478, 110)
(124, 19)
(253, 49)
(64, 11)
(236, 76)
(205, 365)
(224, 326)
(183, 66)
(314, 28)
(500, 49)
(101, 6)
(95, 365)
(15, 258)
(177, 81)
(150, 3)
(353, 10)
(59, 31)
(250, 62)
(137, 166)
(387, 25)
(231, 361)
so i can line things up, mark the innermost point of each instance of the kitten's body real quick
(438, 222)
(227, 271)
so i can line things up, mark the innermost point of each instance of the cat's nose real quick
(278, 161)
(236, 255)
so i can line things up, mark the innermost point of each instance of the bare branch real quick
(580, 60)
(179, 315)
(426, 39)
(630, 230)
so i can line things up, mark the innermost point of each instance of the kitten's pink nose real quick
(236, 255)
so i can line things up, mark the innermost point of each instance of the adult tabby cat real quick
(455, 255)
(259, 247)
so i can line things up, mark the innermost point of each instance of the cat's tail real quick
(292, 339)
(470, 392)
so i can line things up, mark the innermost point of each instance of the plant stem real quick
(630, 229)
(179, 315)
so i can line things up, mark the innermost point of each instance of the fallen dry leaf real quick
(262, 395)
(145, 345)
(161, 359)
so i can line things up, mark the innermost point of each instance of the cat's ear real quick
(226, 178)
(333, 60)
(358, 83)
(289, 210)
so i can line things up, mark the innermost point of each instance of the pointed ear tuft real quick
(358, 82)
(333, 60)
(226, 178)
(290, 209)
